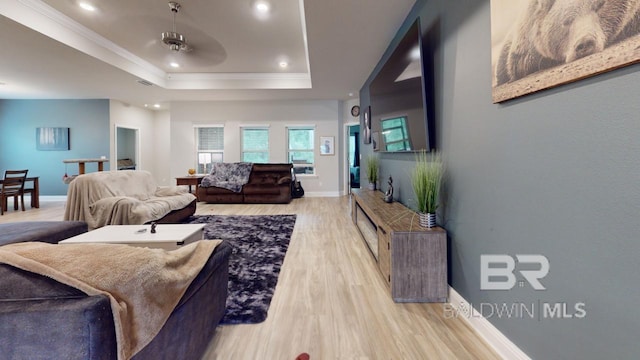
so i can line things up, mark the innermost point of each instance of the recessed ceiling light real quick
(174, 65)
(156, 106)
(262, 9)
(262, 6)
(87, 6)
(283, 64)
(146, 105)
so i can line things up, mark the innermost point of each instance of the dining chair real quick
(31, 191)
(12, 186)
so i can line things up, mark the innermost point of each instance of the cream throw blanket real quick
(144, 285)
(127, 197)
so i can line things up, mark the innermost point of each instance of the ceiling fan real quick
(172, 39)
(198, 54)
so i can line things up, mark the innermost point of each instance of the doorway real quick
(352, 161)
(127, 152)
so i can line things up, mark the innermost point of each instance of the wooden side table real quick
(81, 162)
(193, 180)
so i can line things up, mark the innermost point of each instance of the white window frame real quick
(199, 160)
(254, 127)
(312, 150)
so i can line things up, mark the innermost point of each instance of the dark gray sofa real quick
(41, 318)
(46, 231)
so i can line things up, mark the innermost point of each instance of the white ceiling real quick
(55, 50)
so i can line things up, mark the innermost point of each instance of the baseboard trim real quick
(322, 193)
(500, 343)
(52, 198)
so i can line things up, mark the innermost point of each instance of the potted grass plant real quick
(426, 180)
(373, 165)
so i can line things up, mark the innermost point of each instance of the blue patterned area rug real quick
(259, 244)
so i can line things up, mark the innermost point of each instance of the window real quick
(255, 144)
(300, 149)
(210, 147)
(396, 134)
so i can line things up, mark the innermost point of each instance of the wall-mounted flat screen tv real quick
(399, 110)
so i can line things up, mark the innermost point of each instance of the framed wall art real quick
(366, 126)
(557, 42)
(52, 139)
(327, 145)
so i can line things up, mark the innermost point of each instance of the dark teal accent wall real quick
(555, 173)
(88, 121)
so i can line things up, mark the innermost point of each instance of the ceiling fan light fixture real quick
(172, 39)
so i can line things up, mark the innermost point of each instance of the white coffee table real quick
(167, 236)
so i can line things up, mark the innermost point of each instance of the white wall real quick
(129, 116)
(325, 115)
(162, 148)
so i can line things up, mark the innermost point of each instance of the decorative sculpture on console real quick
(388, 196)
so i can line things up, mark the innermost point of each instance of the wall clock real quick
(355, 111)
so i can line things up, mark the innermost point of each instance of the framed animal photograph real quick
(539, 44)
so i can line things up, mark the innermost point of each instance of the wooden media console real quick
(412, 259)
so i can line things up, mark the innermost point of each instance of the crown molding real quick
(184, 81)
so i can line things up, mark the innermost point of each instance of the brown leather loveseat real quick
(268, 184)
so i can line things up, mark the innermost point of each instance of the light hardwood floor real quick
(330, 301)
